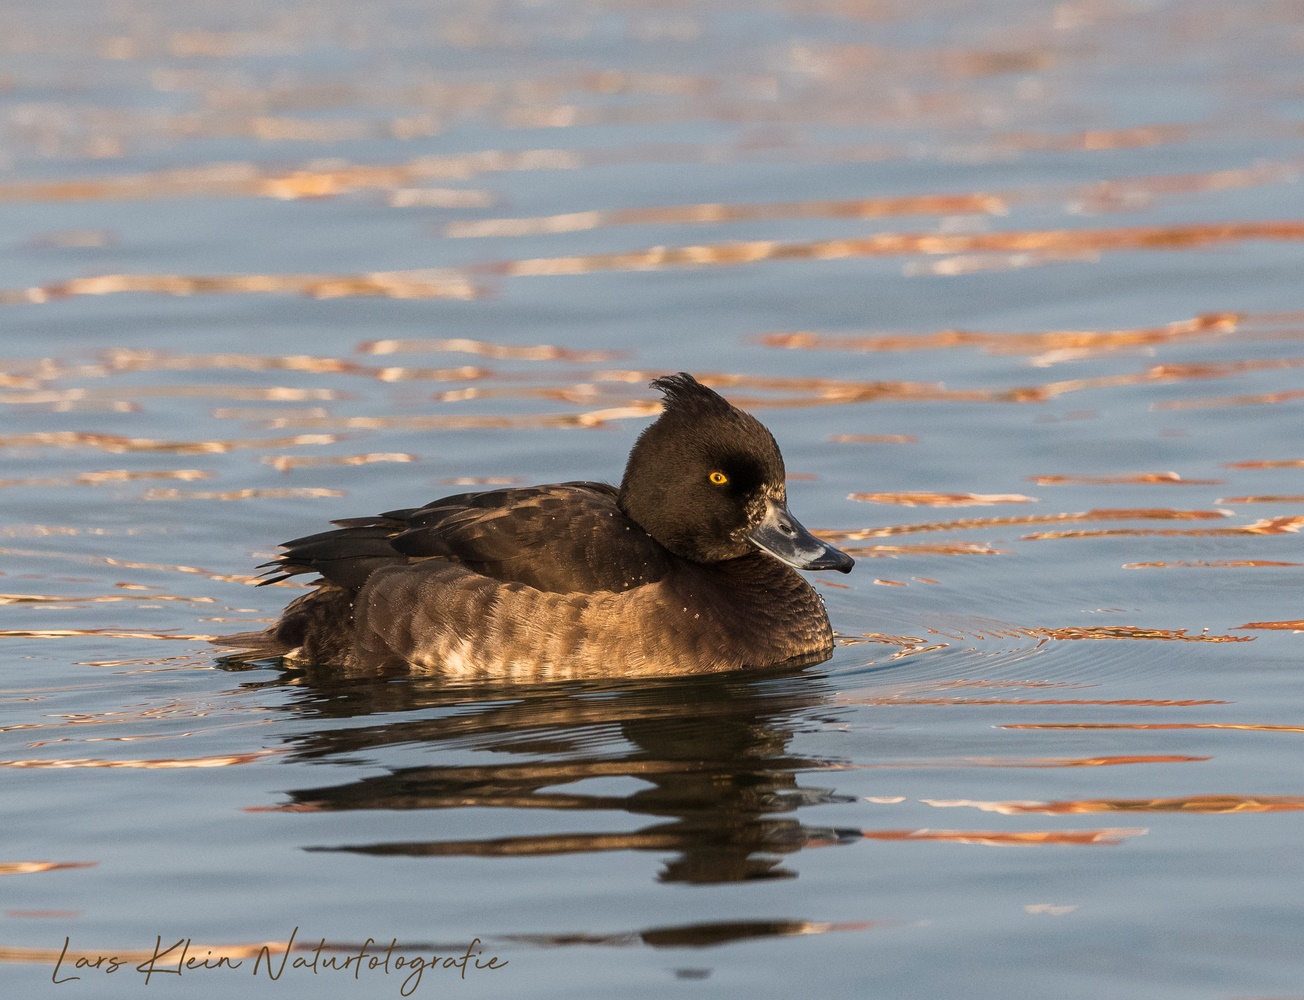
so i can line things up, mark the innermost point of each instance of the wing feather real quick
(566, 538)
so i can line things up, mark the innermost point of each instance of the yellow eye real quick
(719, 478)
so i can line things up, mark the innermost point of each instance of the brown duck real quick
(687, 568)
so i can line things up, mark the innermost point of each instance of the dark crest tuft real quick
(682, 390)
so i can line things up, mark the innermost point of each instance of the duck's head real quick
(706, 480)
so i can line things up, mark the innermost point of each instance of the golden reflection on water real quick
(275, 393)
(1126, 479)
(1129, 632)
(1028, 247)
(1266, 526)
(288, 463)
(1110, 836)
(125, 359)
(1250, 726)
(34, 867)
(862, 208)
(163, 763)
(101, 476)
(413, 284)
(99, 599)
(463, 345)
(942, 499)
(1286, 463)
(1104, 514)
(1210, 564)
(106, 633)
(1287, 498)
(1047, 348)
(1051, 242)
(249, 493)
(92, 560)
(1213, 402)
(925, 549)
(118, 444)
(873, 439)
(245, 180)
(1204, 804)
(1125, 702)
(1285, 626)
(911, 645)
(1114, 761)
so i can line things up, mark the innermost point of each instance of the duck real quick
(689, 567)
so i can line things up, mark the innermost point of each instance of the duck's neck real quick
(772, 610)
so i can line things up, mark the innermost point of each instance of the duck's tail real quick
(345, 556)
(245, 646)
(317, 627)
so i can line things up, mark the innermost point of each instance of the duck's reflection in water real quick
(712, 757)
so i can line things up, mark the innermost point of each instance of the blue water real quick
(1056, 751)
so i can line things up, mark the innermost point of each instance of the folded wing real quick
(565, 538)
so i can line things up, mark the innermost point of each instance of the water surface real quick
(1016, 286)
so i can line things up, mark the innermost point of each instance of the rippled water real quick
(1017, 287)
